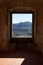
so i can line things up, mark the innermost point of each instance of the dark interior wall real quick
(9, 5)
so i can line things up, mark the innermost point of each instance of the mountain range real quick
(22, 24)
(22, 29)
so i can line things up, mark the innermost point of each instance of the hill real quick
(22, 29)
(22, 25)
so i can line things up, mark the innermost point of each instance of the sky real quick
(17, 18)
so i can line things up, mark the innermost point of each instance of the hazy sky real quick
(17, 18)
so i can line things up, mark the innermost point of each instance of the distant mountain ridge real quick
(22, 24)
(22, 29)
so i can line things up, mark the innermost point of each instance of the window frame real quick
(22, 40)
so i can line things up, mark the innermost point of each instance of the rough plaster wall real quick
(3, 28)
(10, 4)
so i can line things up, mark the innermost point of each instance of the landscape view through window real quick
(22, 25)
